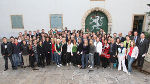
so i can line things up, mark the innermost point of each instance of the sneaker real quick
(58, 66)
(129, 73)
(91, 67)
(67, 64)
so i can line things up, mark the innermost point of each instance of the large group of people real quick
(76, 48)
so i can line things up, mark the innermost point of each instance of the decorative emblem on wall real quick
(96, 22)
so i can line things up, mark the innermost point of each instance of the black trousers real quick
(78, 59)
(68, 57)
(6, 61)
(48, 58)
(105, 62)
(140, 61)
(41, 61)
(74, 58)
(32, 60)
(97, 59)
(63, 58)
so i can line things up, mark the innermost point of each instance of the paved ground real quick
(69, 75)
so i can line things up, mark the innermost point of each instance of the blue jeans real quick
(130, 61)
(15, 58)
(58, 59)
(84, 60)
(36, 57)
(91, 59)
(20, 60)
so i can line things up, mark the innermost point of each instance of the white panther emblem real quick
(96, 21)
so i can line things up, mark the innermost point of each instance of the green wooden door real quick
(95, 21)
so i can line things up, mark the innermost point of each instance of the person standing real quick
(98, 52)
(69, 50)
(41, 56)
(17, 58)
(113, 51)
(121, 58)
(74, 53)
(85, 54)
(91, 53)
(79, 50)
(58, 48)
(132, 55)
(25, 53)
(64, 51)
(143, 46)
(48, 47)
(6, 51)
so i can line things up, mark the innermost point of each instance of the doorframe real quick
(101, 10)
(144, 21)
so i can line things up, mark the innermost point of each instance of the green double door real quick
(95, 21)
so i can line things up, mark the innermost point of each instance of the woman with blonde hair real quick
(133, 52)
(58, 48)
(85, 54)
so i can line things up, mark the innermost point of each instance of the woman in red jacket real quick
(105, 54)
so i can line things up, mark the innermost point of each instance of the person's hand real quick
(71, 54)
(143, 55)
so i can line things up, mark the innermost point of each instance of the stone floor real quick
(69, 75)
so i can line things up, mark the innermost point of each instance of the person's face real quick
(63, 40)
(132, 43)
(12, 39)
(118, 40)
(112, 40)
(142, 36)
(127, 38)
(105, 41)
(16, 40)
(97, 39)
(121, 44)
(24, 42)
(30, 33)
(47, 39)
(5, 40)
(135, 33)
(91, 42)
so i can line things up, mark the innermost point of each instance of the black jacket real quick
(143, 47)
(79, 49)
(40, 49)
(4, 50)
(24, 49)
(64, 48)
(16, 48)
(47, 46)
(113, 49)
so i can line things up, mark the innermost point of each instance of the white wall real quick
(36, 13)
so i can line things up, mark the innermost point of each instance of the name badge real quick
(5, 46)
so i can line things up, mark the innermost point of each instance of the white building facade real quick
(121, 14)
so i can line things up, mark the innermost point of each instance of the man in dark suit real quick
(6, 51)
(48, 49)
(143, 46)
(135, 37)
(122, 39)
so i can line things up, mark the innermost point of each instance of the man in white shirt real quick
(98, 52)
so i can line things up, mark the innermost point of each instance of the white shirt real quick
(98, 46)
(69, 47)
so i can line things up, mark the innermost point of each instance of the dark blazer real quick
(122, 39)
(143, 47)
(7, 51)
(47, 46)
(64, 48)
(136, 39)
(113, 49)
(79, 49)
(40, 49)
(16, 48)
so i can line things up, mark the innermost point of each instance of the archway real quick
(94, 18)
